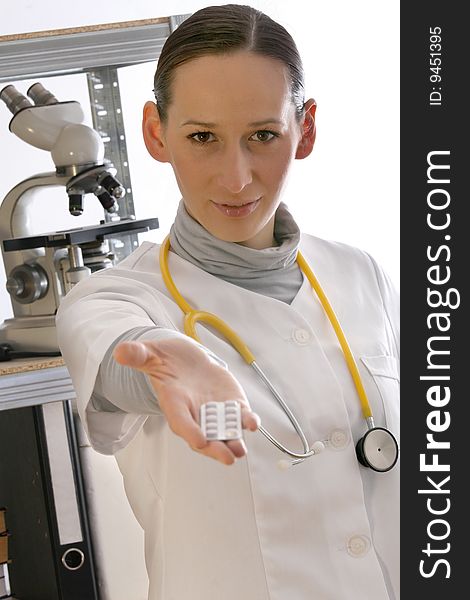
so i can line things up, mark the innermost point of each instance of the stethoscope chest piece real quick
(377, 449)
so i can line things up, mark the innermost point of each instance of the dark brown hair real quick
(221, 30)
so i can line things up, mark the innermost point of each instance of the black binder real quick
(41, 486)
(4, 580)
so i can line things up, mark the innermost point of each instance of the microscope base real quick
(30, 334)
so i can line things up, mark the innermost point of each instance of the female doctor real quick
(230, 117)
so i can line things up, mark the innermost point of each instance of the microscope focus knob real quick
(27, 283)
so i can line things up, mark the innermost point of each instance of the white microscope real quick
(41, 269)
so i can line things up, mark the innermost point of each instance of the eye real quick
(263, 136)
(201, 137)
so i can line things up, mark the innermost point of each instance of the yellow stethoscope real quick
(377, 449)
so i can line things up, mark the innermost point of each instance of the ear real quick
(309, 131)
(152, 129)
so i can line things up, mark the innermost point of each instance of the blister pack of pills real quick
(221, 420)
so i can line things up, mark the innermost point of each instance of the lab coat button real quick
(358, 545)
(301, 336)
(339, 439)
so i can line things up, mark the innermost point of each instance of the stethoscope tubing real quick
(192, 317)
(307, 450)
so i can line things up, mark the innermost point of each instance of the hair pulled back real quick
(222, 30)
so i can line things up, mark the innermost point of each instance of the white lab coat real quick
(326, 529)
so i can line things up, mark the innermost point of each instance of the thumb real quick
(135, 354)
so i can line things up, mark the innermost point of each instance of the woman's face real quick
(231, 136)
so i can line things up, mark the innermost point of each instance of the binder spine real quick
(65, 494)
(50, 555)
(5, 590)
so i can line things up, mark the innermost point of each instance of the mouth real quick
(237, 210)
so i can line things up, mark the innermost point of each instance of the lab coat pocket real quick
(384, 372)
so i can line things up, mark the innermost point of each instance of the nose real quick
(235, 169)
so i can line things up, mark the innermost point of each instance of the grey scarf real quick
(271, 271)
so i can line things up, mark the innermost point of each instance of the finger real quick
(183, 424)
(135, 354)
(237, 447)
(219, 451)
(250, 420)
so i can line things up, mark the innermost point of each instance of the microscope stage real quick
(80, 235)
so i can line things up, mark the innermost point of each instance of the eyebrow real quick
(212, 125)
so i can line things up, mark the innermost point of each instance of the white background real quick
(347, 190)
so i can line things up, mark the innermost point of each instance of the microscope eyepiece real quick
(40, 96)
(14, 99)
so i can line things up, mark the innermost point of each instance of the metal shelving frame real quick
(97, 51)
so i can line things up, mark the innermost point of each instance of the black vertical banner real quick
(435, 204)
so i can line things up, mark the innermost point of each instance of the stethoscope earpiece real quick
(377, 450)
(284, 464)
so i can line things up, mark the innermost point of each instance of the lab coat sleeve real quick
(391, 305)
(91, 317)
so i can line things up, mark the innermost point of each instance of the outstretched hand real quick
(184, 377)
